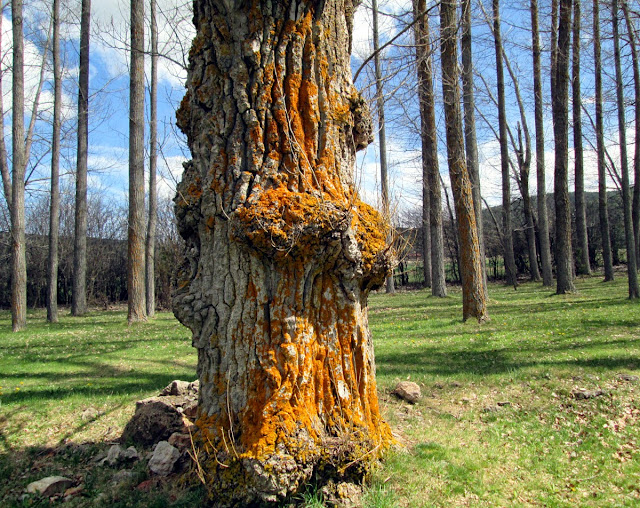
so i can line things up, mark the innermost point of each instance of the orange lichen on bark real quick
(371, 233)
(282, 220)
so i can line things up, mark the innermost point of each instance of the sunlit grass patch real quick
(499, 423)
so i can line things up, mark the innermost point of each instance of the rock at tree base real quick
(181, 388)
(408, 390)
(164, 458)
(342, 495)
(117, 454)
(157, 418)
(49, 486)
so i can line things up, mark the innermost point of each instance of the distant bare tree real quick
(54, 210)
(150, 288)
(136, 237)
(603, 211)
(632, 272)
(560, 107)
(473, 295)
(543, 221)
(79, 298)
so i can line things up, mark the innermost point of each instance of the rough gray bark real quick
(473, 294)
(635, 211)
(150, 246)
(471, 142)
(136, 237)
(280, 253)
(632, 271)
(509, 260)
(431, 190)
(543, 221)
(18, 251)
(583, 266)
(560, 107)
(54, 210)
(603, 211)
(382, 136)
(79, 295)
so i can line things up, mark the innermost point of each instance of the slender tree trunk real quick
(150, 288)
(382, 137)
(136, 237)
(4, 159)
(54, 211)
(560, 106)
(603, 211)
(280, 252)
(431, 189)
(635, 211)
(18, 251)
(632, 271)
(543, 221)
(509, 260)
(79, 295)
(471, 142)
(473, 294)
(582, 255)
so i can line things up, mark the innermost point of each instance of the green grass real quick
(497, 424)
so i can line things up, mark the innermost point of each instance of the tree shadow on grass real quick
(432, 361)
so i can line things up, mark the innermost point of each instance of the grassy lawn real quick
(498, 424)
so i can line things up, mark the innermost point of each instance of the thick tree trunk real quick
(469, 116)
(136, 237)
(632, 271)
(18, 246)
(635, 211)
(560, 106)
(431, 193)
(150, 247)
(543, 221)
(382, 136)
(509, 260)
(281, 254)
(603, 211)
(79, 295)
(54, 211)
(473, 294)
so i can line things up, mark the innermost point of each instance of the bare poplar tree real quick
(150, 288)
(560, 107)
(471, 142)
(431, 193)
(54, 210)
(19, 161)
(473, 294)
(509, 260)
(382, 136)
(79, 296)
(603, 209)
(543, 221)
(632, 271)
(582, 255)
(635, 211)
(136, 236)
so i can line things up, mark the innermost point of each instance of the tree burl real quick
(280, 252)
